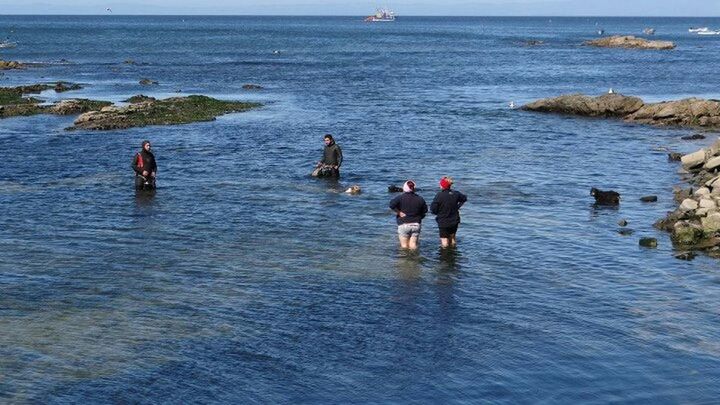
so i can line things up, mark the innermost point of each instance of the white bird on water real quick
(512, 104)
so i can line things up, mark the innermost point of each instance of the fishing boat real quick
(381, 15)
(698, 30)
(708, 32)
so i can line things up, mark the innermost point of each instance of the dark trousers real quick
(144, 183)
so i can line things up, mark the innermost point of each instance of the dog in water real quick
(353, 190)
(605, 197)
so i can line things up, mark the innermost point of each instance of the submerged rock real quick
(148, 82)
(171, 111)
(630, 42)
(649, 198)
(648, 242)
(252, 87)
(693, 137)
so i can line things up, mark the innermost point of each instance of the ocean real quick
(245, 280)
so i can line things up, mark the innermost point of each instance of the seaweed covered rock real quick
(140, 98)
(76, 106)
(175, 110)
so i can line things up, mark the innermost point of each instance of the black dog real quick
(605, 197)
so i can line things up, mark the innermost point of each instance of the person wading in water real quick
(446, 207)
(145, 168)
(331, 161)
(410, 209)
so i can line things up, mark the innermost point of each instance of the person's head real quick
(446, 182)
(409, 186)
(328, 139)
(146, 145)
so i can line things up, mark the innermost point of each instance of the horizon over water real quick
(243, 279)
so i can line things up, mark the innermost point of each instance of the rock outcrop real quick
(175, 110)
(608, 105)
(9, 64)
(691, 112)
(695, 224)
(630, 42)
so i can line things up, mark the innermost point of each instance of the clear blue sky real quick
(699, 8)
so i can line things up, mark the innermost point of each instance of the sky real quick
(671, 8)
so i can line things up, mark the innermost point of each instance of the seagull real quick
(109, 9)
(611, 91)
(512, 104)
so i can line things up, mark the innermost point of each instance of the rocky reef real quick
(630, 42)
(175, 110)
(13, 103)
(691, 112)
(695, 224)
(9, 64)
(103, 115)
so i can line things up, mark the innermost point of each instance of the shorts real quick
(448, 231)
(409, 230)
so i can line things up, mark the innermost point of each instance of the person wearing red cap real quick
(446, 207)
(410, 209)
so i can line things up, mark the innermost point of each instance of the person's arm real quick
(339, 155)
(462, 198)
(153, 172)
(135, 165)
(395, 206)
(423, 209)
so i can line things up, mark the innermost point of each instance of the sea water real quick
(243, 279)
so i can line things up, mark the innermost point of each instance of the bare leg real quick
(444, 242)
(414, 242)
(453, 241)
(404, 242)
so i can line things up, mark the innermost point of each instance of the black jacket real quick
(412, 205)
(332, 155)
(148, 162)
(446, 206)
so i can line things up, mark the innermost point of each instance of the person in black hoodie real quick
(446, 207)
(145, 168)
(410, 209)
(331, 161)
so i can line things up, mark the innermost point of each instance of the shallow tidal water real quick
(244, 280)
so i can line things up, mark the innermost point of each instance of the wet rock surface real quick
(695, 224)
(691, 112)
(630, 42)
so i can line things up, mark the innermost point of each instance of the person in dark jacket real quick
(331, 161)
(410, 209)
(145, 168)
(446, 207)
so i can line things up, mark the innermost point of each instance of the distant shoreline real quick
(355, 16)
